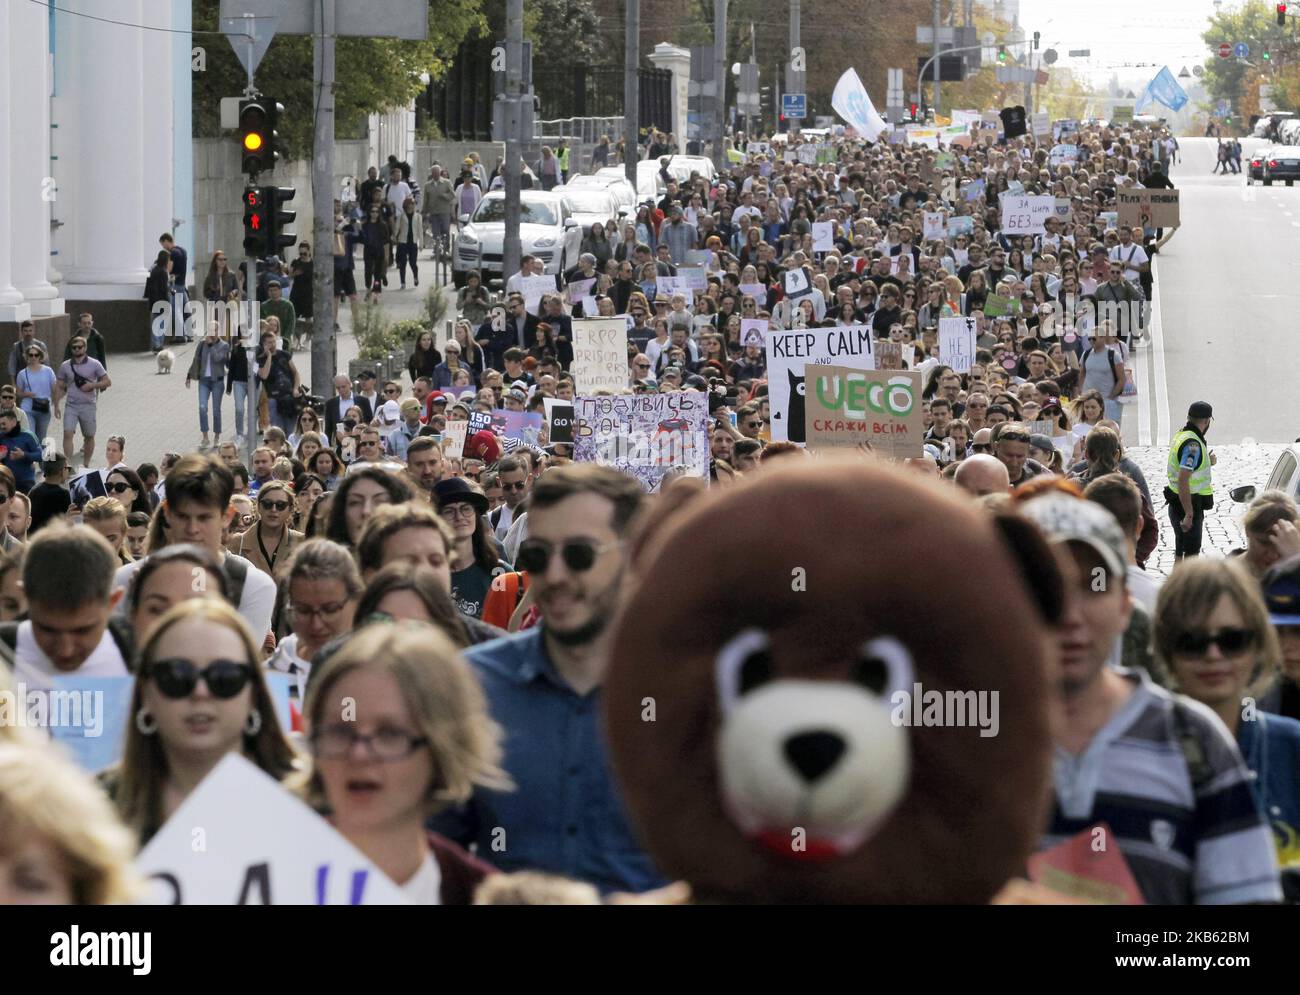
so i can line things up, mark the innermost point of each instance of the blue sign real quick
(1241, 50)
(1223, 108)
(794, 105)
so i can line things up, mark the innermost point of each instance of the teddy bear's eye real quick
(883, 664)
(743, 664)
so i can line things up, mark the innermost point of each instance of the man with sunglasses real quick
(68, 579)
(26, 339)
(543, 686)
(80, 381)
(1157, 768)
(514, 480)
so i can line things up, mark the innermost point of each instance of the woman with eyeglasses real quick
(35, 390)
(477, 555)
(421, 740)
(199, 696)
(319, 587)
(1213, 638)
(269, 542)
(222, 285)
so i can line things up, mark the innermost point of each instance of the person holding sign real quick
(399, 730)
(199, 695)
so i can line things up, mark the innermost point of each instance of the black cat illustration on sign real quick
(795, 429)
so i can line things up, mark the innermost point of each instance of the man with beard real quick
(543, 686)
(1159, 769)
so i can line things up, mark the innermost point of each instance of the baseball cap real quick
(1281, 588)
(516, 395)
(366, 375)
(1064, 518)
(1041, 442)
(1200, 409)
(439, 398)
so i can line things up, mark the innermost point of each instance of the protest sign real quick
(924, 137)
(453, 435)
(590, 309)
(579, 289)
(957, 343)
(1067, 126)
(1024, 215)
(890, 355)
(758, 148)
(1015, 187)
(965, 117)
(211, 853)
(996, 306)
(847, 407)
(1109, 219)
(1061, 154)
(285, 689)
(669, 285)
(479, 421)
(1148, 208)
(960, 226)
(644, 435)
(1041, 125)
(1079, 869)
(790, 350)
(753, 331)
(702, 258)
(932, 226)
(973, 190)
(758, 291)
(525, 426)
(87, 715)
(823, 233)
(693, 278)
(807, 154)
(796, 283)
(945, 160)
(1061, 208)
(533, 288)
(600, 354)
(559, 416)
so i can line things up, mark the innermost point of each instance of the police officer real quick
(1189, 490)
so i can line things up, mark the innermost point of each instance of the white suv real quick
(547, 230)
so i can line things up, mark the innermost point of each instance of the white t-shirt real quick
(425, 888)
(256, 604)
(34, 669)
(396, 194)
(1144, 586)
(1132, 257)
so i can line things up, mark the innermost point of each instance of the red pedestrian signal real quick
(255, 222)
(1281, 15)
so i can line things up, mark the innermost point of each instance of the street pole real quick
(254, 333)
(720, 81)
(511, 250)
(794, 43)
(631, 90)
(324, 342)
(753, 58)
(937, 61)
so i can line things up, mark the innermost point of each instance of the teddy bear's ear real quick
(1037, 563)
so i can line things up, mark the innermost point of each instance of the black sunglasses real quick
(118, 488)
(981, 447)
(275, 505)
(1231, 642)
(177, 678)
(578, 554)
(518, 486)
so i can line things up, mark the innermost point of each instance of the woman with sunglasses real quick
(35, 390)
(1213, 637)
(421, 739)
(125, 485)
(270, 541)
(199, 696)
(308, 421)
(320, 586)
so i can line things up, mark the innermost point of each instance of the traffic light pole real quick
(253, 329)
(324, 343)
(631, 90)
(512, 248)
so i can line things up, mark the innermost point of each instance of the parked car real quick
(547, 229)
(1285, 477)
(619, 188)
(681, 167)
(1282, 163)
(591, 205)
(1255, 167)
(650, 186)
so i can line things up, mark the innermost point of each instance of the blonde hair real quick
(445, 699)
(1188, 597)
(104, 509)
(42, 795)
(534, 888)
(140, 778)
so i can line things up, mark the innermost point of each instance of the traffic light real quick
(1267, 57)
(1002, 53)
(278, 218)
(911, 111)
(257, 135)
(1037, 35)
(256, 222)
(1281, 15)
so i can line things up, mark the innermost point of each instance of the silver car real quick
(547, 230)
(591, 205)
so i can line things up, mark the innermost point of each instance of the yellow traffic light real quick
(252, 142)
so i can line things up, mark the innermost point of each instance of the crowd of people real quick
(463, 594)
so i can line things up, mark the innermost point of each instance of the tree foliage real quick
(373, 74)
(1237, 82)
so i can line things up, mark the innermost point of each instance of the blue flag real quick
(1163, 89)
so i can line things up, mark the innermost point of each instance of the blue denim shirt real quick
(565, 815)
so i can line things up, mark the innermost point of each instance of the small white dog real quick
(165, 360)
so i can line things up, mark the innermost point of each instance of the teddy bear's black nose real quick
(814, 753)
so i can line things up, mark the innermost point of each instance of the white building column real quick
(156, 161)
(12, 307)
(678, 62)
(30, 185)
(108, 75)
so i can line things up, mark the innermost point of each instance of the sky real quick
(1163, 32)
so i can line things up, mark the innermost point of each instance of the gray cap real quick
(1064, 518)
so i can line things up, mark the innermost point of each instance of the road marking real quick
(1158, 358)
(1143, 382)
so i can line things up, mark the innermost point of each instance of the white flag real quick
(851, 102)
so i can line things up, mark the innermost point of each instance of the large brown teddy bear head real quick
(760, 703)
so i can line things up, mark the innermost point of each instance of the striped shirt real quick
(1167, 778)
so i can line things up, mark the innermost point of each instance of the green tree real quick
(1233, 79)
(374, 74)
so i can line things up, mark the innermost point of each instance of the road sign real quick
(1050, 56)
(1225, 50)
(1184, 74)
(250, 37)
(1080, 53)
(1241, 50)
(794, 105)
(925, 35)
(1223, 108)
(1198, 71)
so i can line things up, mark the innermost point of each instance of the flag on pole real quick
(1163, 89)
(851, 102)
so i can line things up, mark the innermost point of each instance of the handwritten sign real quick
(790, 351)
(453, 438)
(753, 331)
(957, 343)
(579, 289)
(932, 226)
(1024, 215)
(823, 233)
(1148, 208)
(534, 288)
(997, 306)
(1061, 154)
(600, 354)
(644, 435)
(847, 407)
(758, 291)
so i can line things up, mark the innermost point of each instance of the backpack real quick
(236, 568)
